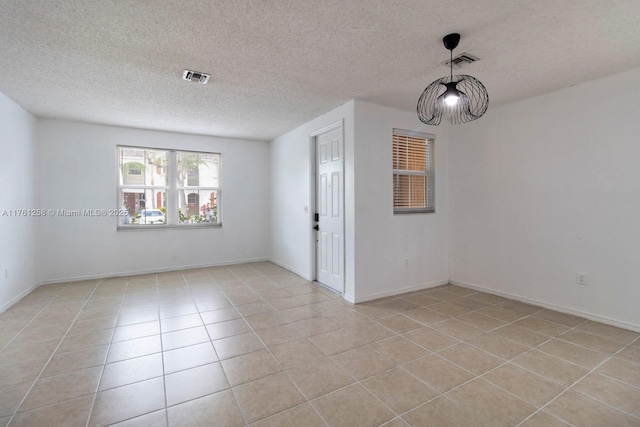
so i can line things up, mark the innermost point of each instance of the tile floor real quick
(253, 344)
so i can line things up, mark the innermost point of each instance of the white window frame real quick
(171, 191)
(428, 173)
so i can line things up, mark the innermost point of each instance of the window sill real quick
(134, 227)
(414, 211)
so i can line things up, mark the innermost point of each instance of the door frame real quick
(313, 178)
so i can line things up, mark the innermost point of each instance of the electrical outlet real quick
(581, 279)
(406, 263)
(6, 273)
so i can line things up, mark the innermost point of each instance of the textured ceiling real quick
(276, 64)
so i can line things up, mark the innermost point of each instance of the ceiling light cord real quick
(451, 64)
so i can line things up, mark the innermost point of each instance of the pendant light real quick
(463, 98)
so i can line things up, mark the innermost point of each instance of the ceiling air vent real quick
(461, 60)
(196, 76)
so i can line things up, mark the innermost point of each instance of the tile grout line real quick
(637, 387)
(220, 361)
(242, 414)
(53, 351)
(398, 334)
(281, 367)
(593, 371)
(104, 365)
(513, 322)
(510, 360)
(49, 358)
(33, 318)
(289, 376)
(72, 323)
(506, 361)
(164, 373)
(342, 326)
(162, 350)
(398, 366)
(356, 381)
(47, 305)
(122, 304)
(431, 353)
(444, 394)
(573, 384)
(434, 353)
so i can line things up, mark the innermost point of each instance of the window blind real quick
(413, 174)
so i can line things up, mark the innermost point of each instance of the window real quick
(165, 187)
(413, 174)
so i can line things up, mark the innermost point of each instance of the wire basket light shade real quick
(463, 98)
(473, 102)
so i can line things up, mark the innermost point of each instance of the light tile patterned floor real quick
(255, 344)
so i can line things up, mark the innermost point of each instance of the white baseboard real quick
(353, 300)
(579, 313)
(14, 300)
(151, 271)
(397, 292)
(291, 269)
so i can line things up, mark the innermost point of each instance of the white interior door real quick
(330, 209)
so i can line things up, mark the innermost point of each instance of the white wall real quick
(384, 241)
(377, 242)
(18, 254)
(548, 187)
(78, 171)
(291, 166)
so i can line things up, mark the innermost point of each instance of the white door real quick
(330, 209)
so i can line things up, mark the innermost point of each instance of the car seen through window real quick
(152, 216)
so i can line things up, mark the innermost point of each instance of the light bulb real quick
(451, 99)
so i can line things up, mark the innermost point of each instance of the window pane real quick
(142, 167)
(410, 153)
(144, 207)
(416, 157)
(198, 169)
(418, 189)
(399, 154)
(197, 206)
(413, 171)
(400, 191)
(409, 191)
